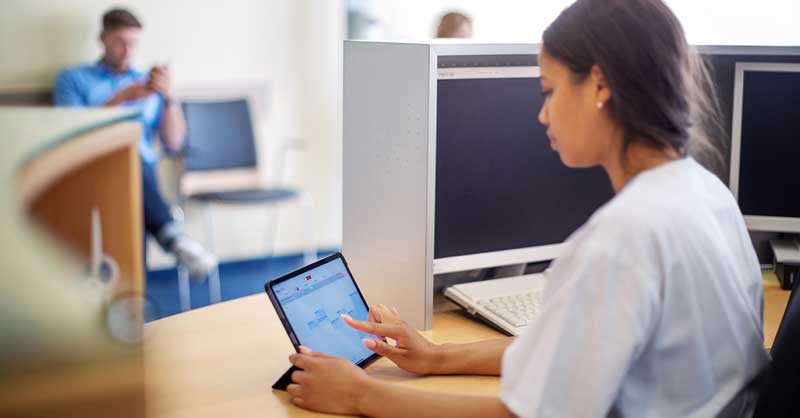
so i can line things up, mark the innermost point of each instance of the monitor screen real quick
(766, 143)
(499, 185)
(313, 302)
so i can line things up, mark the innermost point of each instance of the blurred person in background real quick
(113, 81)
(454, 25)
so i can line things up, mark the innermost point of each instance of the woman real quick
(654, 309)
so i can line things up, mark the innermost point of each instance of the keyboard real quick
(509, 304)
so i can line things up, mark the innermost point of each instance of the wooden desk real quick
(775, 300)
(221, 360)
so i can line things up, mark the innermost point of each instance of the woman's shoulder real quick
(662, 198)
(631, 212)
(663, 203)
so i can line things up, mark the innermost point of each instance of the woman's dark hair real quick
(661, 89)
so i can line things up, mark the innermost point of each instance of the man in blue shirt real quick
(112, 81)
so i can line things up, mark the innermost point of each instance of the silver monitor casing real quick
(754, 223)
(389, 167)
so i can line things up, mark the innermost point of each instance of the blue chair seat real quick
(247, 196)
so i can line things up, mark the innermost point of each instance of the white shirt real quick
(653, 310)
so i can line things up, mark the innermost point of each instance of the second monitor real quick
(765, 149)
(502, 194)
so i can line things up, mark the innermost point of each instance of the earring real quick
(599, 105)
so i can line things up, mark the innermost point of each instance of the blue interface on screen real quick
(313, 302)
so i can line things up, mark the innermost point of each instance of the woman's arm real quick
(414, 353)
(384, 400)
(333, 384)
(482, 357)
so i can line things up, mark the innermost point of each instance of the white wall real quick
(294, 46)
(713, 22)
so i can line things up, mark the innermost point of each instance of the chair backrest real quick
(220, 135)
(780, 392)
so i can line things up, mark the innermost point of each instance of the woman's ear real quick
(598, 80)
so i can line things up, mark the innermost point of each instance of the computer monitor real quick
(502, 194)
(765, 145)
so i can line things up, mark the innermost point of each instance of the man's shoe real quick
(194, 257)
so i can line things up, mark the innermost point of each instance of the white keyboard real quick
(509, 304)
(518, 310)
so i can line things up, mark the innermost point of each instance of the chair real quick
(220, 166)
(780, 391)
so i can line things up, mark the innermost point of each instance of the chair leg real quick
(272, 231)
(214, 285)
(310, 248)
(184, 292)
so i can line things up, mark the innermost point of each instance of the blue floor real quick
(238, 279)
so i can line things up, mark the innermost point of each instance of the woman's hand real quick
(411, 352)
(327, 383)
(334, 385)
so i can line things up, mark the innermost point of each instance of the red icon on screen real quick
(308, 277)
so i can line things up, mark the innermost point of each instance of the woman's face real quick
(579, 131)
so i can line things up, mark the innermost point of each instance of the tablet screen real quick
(312, 303)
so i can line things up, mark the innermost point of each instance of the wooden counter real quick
(58, 357)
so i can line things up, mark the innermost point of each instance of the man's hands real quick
(128, 94)
(159, 81)
(411, 352)
(328, 383)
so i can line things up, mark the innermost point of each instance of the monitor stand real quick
(786, 260)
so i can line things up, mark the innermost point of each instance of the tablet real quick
(310, 302)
